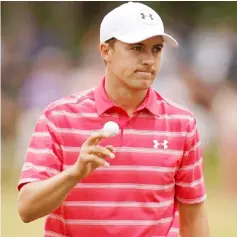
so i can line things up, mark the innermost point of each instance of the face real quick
(134, 65)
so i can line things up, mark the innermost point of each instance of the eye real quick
(157, 49)
(137, 48)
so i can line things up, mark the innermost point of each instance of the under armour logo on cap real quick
(147, 16)
(144, 16)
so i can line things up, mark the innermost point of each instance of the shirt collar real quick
(103, 103)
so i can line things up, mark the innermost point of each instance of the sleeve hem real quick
(192, 201)
(26, 181)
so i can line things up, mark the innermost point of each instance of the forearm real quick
(194, 223)
(198, 228)
(38, 199)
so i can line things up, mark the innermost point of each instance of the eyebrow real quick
(141, 44)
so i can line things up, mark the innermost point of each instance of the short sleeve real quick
(43, 157)
(190, 187)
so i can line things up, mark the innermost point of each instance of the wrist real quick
(73, 175)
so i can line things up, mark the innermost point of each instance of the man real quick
(130, 185)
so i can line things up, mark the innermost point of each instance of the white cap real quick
(133, 22)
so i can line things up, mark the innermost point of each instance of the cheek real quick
(123, 68)
(158, 64)
(158, 61)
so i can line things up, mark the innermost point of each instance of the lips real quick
(146, 71)
(143, 72)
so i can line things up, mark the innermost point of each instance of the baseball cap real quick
(133, 22)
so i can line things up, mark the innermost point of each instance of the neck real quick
(123, 96)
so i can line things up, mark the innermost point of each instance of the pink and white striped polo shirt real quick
(157, 161)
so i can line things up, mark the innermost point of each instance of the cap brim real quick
(170, 40)
(135, 37)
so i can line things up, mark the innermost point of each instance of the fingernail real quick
(111, 155)
(106, 164)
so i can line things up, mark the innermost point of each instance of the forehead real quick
(150, 41)
(153, 40)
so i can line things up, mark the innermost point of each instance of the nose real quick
(148, 60)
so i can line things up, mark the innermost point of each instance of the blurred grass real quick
(221, 208)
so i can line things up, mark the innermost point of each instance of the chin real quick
(145, 84)
(137, 84)
(141, 86)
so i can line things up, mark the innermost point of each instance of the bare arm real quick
(38, 199)
(193, 220)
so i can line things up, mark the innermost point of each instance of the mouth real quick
(145, 70)
(144, 73)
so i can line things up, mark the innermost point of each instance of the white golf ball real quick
(111, 128)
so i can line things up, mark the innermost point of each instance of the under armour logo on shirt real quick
(144, 16)
(158, 144)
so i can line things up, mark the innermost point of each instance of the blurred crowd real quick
(201, 75)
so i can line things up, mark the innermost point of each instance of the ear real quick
(105, 52)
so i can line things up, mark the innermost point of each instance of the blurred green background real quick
(53, 47)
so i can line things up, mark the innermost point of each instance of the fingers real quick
(95, 160)
(95, 138)
(93, 153)
(110, 148)
(100, 151)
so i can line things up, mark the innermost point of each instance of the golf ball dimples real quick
(111, 128)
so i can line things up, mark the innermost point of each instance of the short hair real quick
(111, 42)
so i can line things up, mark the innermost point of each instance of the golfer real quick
(147, 181)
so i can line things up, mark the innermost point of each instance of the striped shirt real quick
(157, 162)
